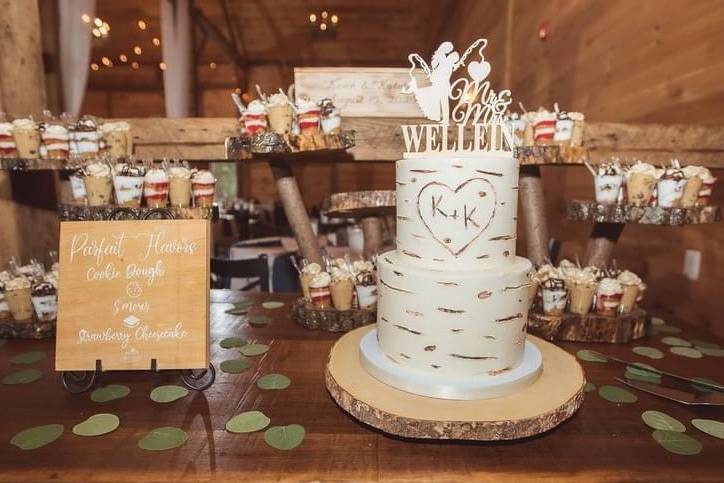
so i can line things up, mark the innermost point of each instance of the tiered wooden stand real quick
(27, 329)
(589, 328)
(331, 319)
(68, 212)
(553, 398)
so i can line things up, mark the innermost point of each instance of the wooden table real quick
(604, 441)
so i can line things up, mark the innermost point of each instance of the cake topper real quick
(462, 105)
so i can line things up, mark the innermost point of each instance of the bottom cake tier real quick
(461, 323)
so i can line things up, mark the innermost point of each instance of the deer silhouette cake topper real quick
(468, 112)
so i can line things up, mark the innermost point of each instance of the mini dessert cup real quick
(280, 113)
(308, 117)
(670, 189)
(98, 184)
(640, 183)
(155, 188)
(84, 139)
(581, 297)
(45, 301)
(55, 142)
(7, 142)
(608, 187)
(18, 298)
(330, 117)
(555, 296)
(690, 195)
(27, 138)
(608, 297)
(179, 187)
(578, 128)
(342, 290)
(319, 290)
(254, 118)
(366, 289)
(517, 127)
(77, 187)
(4, 309)
(544, 127)
(128, 183)
(528, 137)
(308, 273)
(564, 129)
(705, 191)
(118, 139)
(631, 286)
(202, 187)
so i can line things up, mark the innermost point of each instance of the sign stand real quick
(78, 381)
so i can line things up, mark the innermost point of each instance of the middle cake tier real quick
(459, 322)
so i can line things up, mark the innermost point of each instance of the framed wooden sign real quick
(360, 91)
(133, 291)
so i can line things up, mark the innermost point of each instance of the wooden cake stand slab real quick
(553, 398)
(589, 328)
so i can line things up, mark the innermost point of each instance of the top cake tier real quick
(457, 213)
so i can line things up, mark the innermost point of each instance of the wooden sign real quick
(132, 291)
(360, 91)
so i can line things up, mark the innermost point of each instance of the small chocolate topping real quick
(43, 288)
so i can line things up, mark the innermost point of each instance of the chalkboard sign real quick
(132, 291)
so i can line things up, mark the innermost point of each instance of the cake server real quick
(683, 397)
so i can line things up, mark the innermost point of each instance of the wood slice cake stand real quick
(553, 398)
(331, 319)
(590, 327)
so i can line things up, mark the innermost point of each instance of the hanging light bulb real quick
(156, 41)
(95, 66)
(212, 65)
(142, 24)
(85, 18)
(106, 61)
(162, 66)
(123, 58)
(137, 50)
(134, 65)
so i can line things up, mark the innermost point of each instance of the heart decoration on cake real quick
(478, 70)
(457, 217)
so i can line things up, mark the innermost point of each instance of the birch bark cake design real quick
(453, 295)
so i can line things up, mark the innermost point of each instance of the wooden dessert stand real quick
(590, 327)
(331, 319)
(371, 207)
(553, 398)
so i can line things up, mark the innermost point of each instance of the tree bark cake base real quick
(330, 320)
(553, 398)
(361, 204)
(645, 215)
(590, 327)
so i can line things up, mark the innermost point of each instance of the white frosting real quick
(629, 278)
(6, 128)
(256, 107)
(179, 172)
(312, 268)
(320, 280)
(203, 176)
(54, 131)
(700, 171)
(546, 272)
(98, 169)
(362, 266)
(339, 274)
(278, 99)
(28, 124)
(609, 286)
(17, 283)
(580, 276)
(156, 175)
(305, 106)
(115, 126)
(642, 168)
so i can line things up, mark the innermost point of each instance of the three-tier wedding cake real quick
(453, 295)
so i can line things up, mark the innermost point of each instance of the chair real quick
(225, 269)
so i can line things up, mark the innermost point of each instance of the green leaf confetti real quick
(164, 438)
(659, 420)
(273, 381)
(230, 342)
(708, 351)
(254, 349)
(665, 329)
(28, 357)
(284, 437)
(272, 304)
(676, 341)
(677, 443)
(617, 394)
(710, 427)
(248, 422)
(686, 352)
(589, 387)
(235, 366)
(97, 425)
(38, 436)
(650, 352)
(26, 376)
(590, 356)
(110, 393)
(705, 344)
(259, 320)
(168, 394)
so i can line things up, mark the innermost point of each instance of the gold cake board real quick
(553, 398)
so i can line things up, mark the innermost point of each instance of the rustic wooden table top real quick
(603, 441)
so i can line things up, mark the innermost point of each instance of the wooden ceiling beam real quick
(216, 36)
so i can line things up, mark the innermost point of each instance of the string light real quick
(156, 41)
(106, 61)
(142, 25)
(137, 50)
(323, 27)
(335, 19)
(123, 58)
(324, 24)
(98, 22)
(312, 18)
(162, 66)
(94, 66)
(134, 65)
(86, 19)
(101, 29)
(212, 65)
(324, 14)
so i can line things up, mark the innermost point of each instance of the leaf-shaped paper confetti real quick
(676, 341)
(259, 320)
(591, 356)
(28, 357)
(650, 352)
(705, 344)
(710, 427)
(110, 393)
(284, 437)
(169, 393)
(686, 352)
(712, 352)
(164, 438)
(25, 376)
(235, 311)
(617, 394)
(248, 422)
(230, 342)
(703, 388)
(678, 443)
(97, 425)
(659, 420)
(273, 381)
(651, 379)
(272, 304)
(250, 350)
(589, 387)
(38, 436)
(235, 366)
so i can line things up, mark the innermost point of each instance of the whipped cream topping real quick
(609, 286)
(54, 131)
(115, 126)
(576, 116)
(277, 99)
(17, 283)
(156, 175)
(98, 169)
(340, 274)
(256, 107)
(203, 176)
(179, 172)
(312, 269)
(6, 128)
(580, 276)
(320, 280)
(608, 169)
(642, 168)
(307, 106)
(24, 124)
(5, 276)
(629, 278)
(546, 272)
(359, 266)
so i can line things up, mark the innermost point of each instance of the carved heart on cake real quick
(457, 217)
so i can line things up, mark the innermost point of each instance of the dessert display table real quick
(588, 328)
(525, 412)
(602, 440)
